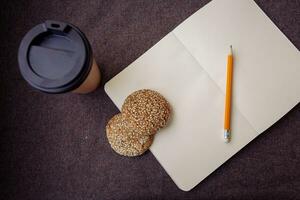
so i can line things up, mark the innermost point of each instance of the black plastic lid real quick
(55, 57)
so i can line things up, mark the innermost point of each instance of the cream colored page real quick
(191, 147)
(188, 68)
(266, 81)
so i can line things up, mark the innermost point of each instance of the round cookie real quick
(125, 138)
(149, 109)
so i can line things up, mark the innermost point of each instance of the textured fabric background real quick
(54, 146)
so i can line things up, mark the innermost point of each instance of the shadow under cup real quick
(56, 57)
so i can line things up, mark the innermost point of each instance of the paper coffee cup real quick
(56, 57)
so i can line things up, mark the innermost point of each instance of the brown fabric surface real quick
(54, 146)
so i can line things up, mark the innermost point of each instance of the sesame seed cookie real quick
(149, 109)
(125, 138)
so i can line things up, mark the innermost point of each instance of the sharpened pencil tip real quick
(231, 49)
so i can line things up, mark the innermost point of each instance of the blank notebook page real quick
(188, 67)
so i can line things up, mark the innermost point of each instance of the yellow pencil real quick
(227, 134)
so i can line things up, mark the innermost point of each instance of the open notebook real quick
(188, 67)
